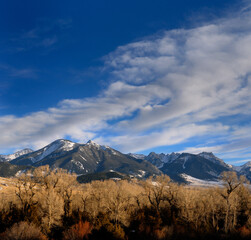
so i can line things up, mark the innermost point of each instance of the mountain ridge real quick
(90, 157)
(86, 158)
(9, 157)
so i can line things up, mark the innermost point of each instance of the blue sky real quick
(139, 76)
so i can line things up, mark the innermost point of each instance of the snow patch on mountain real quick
(192, 181)
(78, 164)
(160, 159)
(210, 156)
(83, 158)
(141, 173)
(68, 146)
(91, 143)
(48, 150)
(185, 158)
(58, 145)
(212, 173)
(113, 152)
(137, 156)
(171, 157)
(246, 165)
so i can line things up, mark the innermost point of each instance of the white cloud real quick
(165, 137)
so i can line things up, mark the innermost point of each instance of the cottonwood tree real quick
(51, 209)
(156, 190)
(25, 190)
(60, 181)
(244, 204)
(56, 194)
(118, 200)
(189, 212)
(67, 183)
(213, 209)
(173, 196)
(82, 200)
(231, 183)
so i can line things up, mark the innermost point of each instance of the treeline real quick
(51, 204)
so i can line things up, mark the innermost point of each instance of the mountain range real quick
(92, 159)
(86, 158)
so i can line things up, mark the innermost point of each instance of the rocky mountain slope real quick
(196, 166)
(246, 170)
(86, 158)
(181, 166)
(10, 170)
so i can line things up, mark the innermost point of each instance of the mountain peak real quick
(62, 144)
(247, 164)
(206, 153)
(153, 154)
(24, 151)
(56, 146)
(92, 142)
(210, 156)
(61, 140)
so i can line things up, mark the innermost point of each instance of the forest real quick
(51, 204)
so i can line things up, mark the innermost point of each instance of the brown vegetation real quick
(50, 204)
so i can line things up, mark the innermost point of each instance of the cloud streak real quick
(13, 72)
(164, 90)
(45, 36)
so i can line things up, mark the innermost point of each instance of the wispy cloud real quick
(164, 90)
(240, 161)
(11, 71)
(45, 35)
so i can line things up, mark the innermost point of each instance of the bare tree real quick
(231, 182)
(26, 190)
(156, 189)
(60, 181)
(51, 208)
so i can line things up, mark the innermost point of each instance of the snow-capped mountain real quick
(86, 158)
(246, 170)
(157, 159)
(160, 159)
(54, 149)
(210, 156)
(94, 158)
(197, 166)
(204, 165)
(15, 155)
